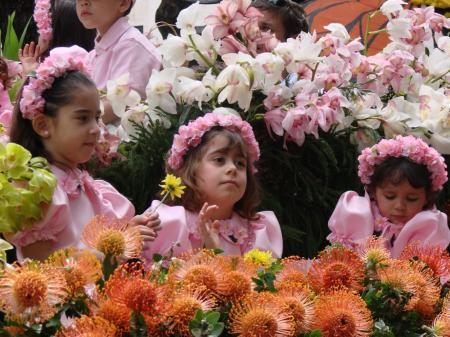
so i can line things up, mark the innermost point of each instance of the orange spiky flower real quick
(342, 313)
(337, 267)
(374, 251)
(299, 305)
(436, 258)
(234, 285)
(181, 309)
(30, 293)
(413, 279)
(80, 267)
(117, 314)
(441, 325)
(260, 315)
(293, 274)
(129, 287)
(89, 327)
(112, 237)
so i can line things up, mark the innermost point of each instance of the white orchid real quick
(390, 7)
(268, 70)
(399, 29)
(203, 48)
(159, 90)
(338, 30)
(191, 91)
(235, 83)
(120, 95)
(444, 44)
(188, 18)
(173, 50)
(437, 63)
(226, 111)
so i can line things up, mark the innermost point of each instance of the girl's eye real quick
(82, 118)
(390, 197)
(219, 159)
(241, 164)
(412, 199)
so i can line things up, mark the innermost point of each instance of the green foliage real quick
(11, 44)
(206, 324)
(138, 327)
(266, 277)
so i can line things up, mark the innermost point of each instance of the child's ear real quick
(40, 125)
(125, 5)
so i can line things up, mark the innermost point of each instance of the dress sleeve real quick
(352, 221)
(174, 232)
(429, 227)
(268, 233)
(112, 203)
(56, 217)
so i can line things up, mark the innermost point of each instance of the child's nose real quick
(400, 204)
(231, 167)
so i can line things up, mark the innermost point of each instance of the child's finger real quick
(155, 225)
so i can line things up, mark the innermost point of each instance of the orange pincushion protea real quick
(181, 309)
(441, 325)
(342, 313)
(260, 315)
(117, 314)
(414, 279)
(30, 293)
(293, 274)
(81, 268)
(130, 287)
(89, 327)
(374, 251)
(112, 237)
(436, 258)
(337, 267)
(299, 305)
(234, 285)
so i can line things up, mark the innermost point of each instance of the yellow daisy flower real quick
(171, 185)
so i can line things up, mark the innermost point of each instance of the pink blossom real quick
(43, 18)
(274, 119)
(222, 17)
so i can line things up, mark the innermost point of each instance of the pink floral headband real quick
(43, 18)
(59, 62)
(411, 147)
(190, 136)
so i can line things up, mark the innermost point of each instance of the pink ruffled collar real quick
(236, 230)
(73, 182)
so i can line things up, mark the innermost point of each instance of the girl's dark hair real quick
(167, 12)
(246, 207)
(292, 15)
(61, 93)
(68, 29)
(129, 8)
(3, 71)
(394, 170)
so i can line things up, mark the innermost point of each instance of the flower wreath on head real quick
(57, 64)
(190, 136)
(410, 147)
(43, 18)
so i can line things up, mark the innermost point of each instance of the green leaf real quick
(199, 315)
(217, 330)
(212, 317)
(196, 332)
(11, 45)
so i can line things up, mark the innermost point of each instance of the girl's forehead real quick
(225, 143)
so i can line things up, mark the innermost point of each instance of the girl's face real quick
(73, 133)
(221, 174)
(400, 202)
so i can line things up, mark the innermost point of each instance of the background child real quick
(215, 155)
(119, 47)
(284, 18)
(402, 177)
(57, 117)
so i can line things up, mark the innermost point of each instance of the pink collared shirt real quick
(123, 49)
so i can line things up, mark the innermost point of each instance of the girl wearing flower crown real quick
(215, 157)
(402, 178)
(57, 117)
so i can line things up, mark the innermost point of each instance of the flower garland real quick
(191, 135)
(60, 61)
(43, 18)
(413, 148)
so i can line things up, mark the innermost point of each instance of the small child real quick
(56, 116)
(215, 156)
(402, 177)
(119, 47)
(285, 18)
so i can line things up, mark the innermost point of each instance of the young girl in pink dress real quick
(402, 178)
(57, 117)
(215, 156)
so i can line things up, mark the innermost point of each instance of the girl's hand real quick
(209, 230)
(29, 56)
(149, 224)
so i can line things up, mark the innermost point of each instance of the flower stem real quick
(208, 63)
(366, 33)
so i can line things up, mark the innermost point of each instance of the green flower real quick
(13, 160)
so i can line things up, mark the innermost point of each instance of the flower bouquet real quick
(202, 293)
(314, 102)
(26, 184)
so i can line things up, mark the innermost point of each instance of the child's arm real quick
(149, 224)
(38, 250)
(209, 230)
(29, 56)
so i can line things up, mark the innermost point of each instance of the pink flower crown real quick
(59, 62)
(43, 18)
(411, 147)
(190, 136)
